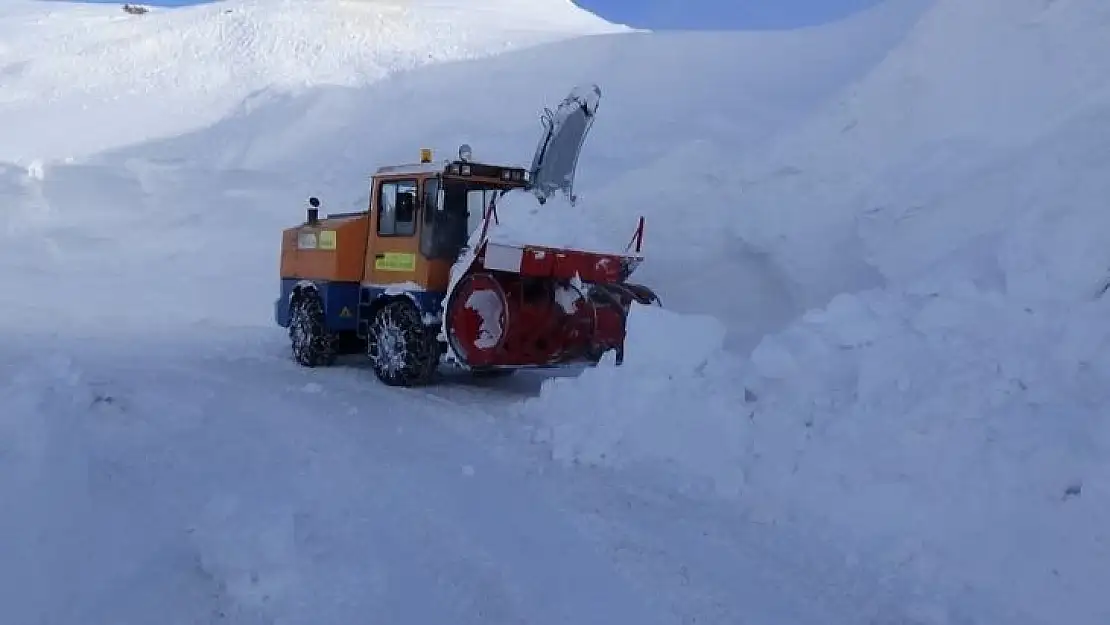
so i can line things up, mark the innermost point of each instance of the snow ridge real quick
(171, 70)
(939, 396)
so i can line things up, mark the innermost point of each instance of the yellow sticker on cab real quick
(395, 261)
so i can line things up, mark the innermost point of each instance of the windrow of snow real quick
(953, 435)
(914, 164)
(134, 77)
(942, 400)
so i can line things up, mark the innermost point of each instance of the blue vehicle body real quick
(349, 306)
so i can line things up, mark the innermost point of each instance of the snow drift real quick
(946, 405)
(172, 70)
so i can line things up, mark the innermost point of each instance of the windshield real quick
(453, 210)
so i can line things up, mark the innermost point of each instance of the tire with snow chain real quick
(312, 344)
(402, 350)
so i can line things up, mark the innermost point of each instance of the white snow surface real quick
(488, 306)
(557, 223)
(876, 392)
(178, 69)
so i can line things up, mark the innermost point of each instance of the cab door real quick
(393, 256)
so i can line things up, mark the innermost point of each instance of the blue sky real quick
(718, 14)
(691, 14)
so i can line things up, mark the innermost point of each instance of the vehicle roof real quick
(413, 168)
(430, 168)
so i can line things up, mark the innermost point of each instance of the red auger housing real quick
(535, 306)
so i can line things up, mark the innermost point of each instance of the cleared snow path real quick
(272, 494)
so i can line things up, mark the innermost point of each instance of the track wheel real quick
(402, 350)
(313, 345)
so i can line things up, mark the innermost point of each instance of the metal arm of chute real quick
(637, 237)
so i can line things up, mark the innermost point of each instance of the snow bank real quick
(919, 159)
(962, 432)
(941, 430)
(663, 403)
(174, 70)
(941, 400)
(621, 416)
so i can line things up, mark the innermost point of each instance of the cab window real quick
(452, 211)
(442, 236)
(397, 208)
(477, 201)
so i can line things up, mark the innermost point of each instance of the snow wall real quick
(940, 394)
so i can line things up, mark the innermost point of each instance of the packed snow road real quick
(176, 479)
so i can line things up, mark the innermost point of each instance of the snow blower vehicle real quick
(416, 280)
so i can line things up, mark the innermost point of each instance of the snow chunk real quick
(488, 306)
(399, 288)
(568, 297)
(623, 415)
(522, 220)
(661, 340)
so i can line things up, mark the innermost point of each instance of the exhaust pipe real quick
(313, 211)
